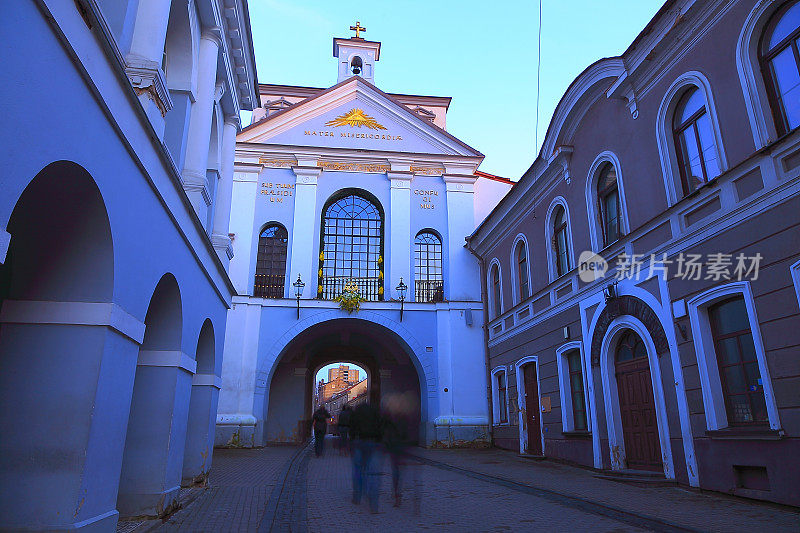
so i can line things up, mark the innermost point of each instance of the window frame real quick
(550, 234)
(282, 293)
(518, 277)
(438, 296)
(565, 388)
(378, 281)
(764, 60)
(500, 418)
(495, 297)
(710, 381)
(678, 133)
(667, 149)
(596, 227)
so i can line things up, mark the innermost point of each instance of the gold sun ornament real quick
(355, 118)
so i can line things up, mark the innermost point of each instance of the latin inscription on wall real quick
(276, 192)
(426, 198)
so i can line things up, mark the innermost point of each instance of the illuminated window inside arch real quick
(271, 262)
(428, 273)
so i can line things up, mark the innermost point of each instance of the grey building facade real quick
(642, 279)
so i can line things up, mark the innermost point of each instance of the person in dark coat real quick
(320, 419)
(343, 427)
(366, 426)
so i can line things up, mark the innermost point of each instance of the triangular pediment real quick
(355, 115)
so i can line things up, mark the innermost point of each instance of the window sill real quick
(577, 434)
(746, 433)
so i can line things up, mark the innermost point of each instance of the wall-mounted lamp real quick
(298, 292)
(401, 291)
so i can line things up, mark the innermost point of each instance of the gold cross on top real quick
(357, 28)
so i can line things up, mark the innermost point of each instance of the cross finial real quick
(357, 28)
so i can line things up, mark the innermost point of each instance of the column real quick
(303, 234)
(463, 274)
(222, 216)
(194, 177)
(143, 60)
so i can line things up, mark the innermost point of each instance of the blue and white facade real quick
(319, 147)
(114, 251)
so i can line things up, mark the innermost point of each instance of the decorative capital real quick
(213, 33)
(148, 79)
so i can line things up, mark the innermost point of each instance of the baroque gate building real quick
(351, 188)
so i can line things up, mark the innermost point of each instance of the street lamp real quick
(298, 292)
(401, 289)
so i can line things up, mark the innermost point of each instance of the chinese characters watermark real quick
(685, 266)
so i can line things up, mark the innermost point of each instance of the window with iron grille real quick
(352, 246)
(271, 262)
(738, 365)
(428, 273)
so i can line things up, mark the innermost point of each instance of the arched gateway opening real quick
(391, 366)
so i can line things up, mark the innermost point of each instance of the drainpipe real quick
(484, 299)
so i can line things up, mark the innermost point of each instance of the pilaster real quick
(399, 232)
(219, 236)
(463, 267)
(244, 193)
(303, 249)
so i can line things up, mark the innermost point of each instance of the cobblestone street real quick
(288, 489)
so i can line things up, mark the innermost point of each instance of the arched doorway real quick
(390, 365)
(62, 370)
(636, 403)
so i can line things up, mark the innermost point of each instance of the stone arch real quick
(202, 409)
(423, 361)
(156, 435)
(62, 351)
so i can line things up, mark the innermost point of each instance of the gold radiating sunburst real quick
(355, 118)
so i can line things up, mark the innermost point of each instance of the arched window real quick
(630, 347)
(695, 147)
(780, 62)
(352, 247)
(428, 274)
(521, 265)
(560, 242)
(496, 290)
(271, 262)
(608, 204)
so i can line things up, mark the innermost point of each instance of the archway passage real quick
(389, 365)
(636, 404)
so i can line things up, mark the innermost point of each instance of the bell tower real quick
(356, 56)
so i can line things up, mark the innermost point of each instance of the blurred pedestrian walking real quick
(343, 428)
(320, 419)
(367, 430)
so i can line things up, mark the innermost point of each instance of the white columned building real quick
(351, 185)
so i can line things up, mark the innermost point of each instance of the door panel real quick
(638, 413)
(532, 411)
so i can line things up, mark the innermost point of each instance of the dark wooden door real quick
(637, 407)
(532, 412)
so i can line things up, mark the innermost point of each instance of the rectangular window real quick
(502, 404)
(738, 366)
(576, 390)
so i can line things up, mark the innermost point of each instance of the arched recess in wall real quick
(56, 278)
(593, 206)
(180, 68)
(206, 384)
(156, 436)
(664, 130)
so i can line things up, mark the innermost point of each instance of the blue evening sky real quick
(482, 54)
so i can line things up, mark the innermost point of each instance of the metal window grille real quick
(352, 248)
(428, 273)
(271, 262)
